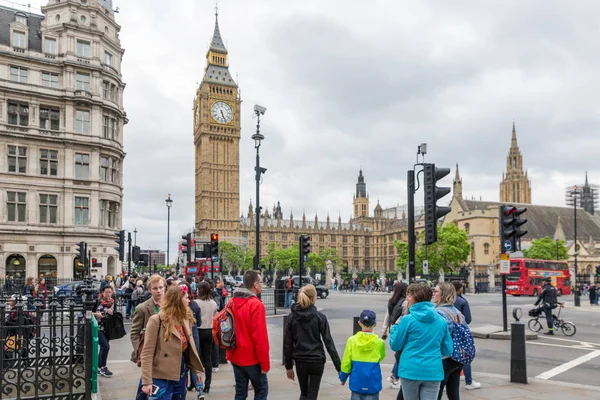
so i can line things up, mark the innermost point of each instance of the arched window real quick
(486, 249)
(515, 162)
(467, 228)
(47, 266)
(16, 267)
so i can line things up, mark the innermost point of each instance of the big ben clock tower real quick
(216, 141)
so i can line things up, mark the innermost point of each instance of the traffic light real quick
(433, 212)
(135, 254)
(186, 246)
(144, 260)
(305, 245)
(510, 224)
(121, 242)
(82, 252)
(214, 246)
(597, 270)
(95, 263)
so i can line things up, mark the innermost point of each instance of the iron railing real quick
(42, 348)
(10, 286)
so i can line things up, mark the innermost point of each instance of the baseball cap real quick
(547, 279)
(368, 317)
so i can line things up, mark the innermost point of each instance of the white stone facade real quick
(61, 139)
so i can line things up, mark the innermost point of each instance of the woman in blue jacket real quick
(423, 338)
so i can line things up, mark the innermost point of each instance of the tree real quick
(402, 260)
(331, 254)
(547, 248)
(234, 257)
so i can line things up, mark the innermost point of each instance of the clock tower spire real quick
(216, 141)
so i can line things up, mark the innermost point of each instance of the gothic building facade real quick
(515, 186)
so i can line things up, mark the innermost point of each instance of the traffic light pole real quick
(129, 254)
(410, 182)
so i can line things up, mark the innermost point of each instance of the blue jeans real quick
(420, 390)
(358, 396)
(395, 367)
(104, 349)
(253, 374)
(129, 307)
(288, 299)
(468, 374)
(167, 390)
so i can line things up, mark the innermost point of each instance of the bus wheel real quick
(535, 292)
(559, 292)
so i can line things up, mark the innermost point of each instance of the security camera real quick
(260, 109)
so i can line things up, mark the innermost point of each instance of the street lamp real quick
(135, 236)
(169, 203)
(258, 137)
(574, 193)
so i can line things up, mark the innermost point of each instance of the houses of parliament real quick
(365, 243)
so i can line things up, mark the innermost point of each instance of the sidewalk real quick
(123, 385)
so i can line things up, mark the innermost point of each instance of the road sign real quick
(215, 258)
(505, 256)
(425, 267)
(504, 267)
(507, 245)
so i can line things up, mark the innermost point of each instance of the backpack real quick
(462, 341)
(224, 327)
(290, 283)
(135, 295)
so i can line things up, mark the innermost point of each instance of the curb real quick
(543, 381)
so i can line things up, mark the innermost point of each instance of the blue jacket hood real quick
(424, 312)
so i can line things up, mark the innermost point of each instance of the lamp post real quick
(135, 236)
(258, 137)
(169, 203)
(574, 193)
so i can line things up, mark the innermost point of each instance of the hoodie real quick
(364, 351)
(305, 331)
(423, 338)
(251, 337)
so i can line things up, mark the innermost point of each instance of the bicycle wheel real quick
(568, 329)
(535, 325)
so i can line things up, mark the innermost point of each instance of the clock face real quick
(221, 112)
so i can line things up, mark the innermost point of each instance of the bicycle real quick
(568, 328)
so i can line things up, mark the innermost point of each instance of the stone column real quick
(491, 279)
(472, 279)
(329, 273)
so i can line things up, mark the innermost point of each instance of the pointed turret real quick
(316, 220)
(217, 42)
(559, 233)
(303, 219)
(457, 185)
(327, 220)
(378, 210)
(515, 186)
(513, 141)
(340, 222)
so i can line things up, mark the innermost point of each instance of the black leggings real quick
(451, 379)
(206, 346)
(309, 378)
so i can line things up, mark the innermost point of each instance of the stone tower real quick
(216, 140)
(457, 185)
(515, 186)
(589, 196)
(361, 198)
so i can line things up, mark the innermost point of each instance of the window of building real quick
(22, 19)
(104, 168)
(345, 251)
(18, 114)
(82, 121)
(284, 236)
(105, 126)
(333, 238)
(108, 58)
(18, 39)
(82, 210)
(105, 86)
(367, 254)
(103, 204)
(356, 252)
(113, 91)
(83, 81)
(355, 239)
(16, 205)
(113, 129)
(50, 46)
(467, 228)
(112, 214)
(17, 159)
(367, 240)
(82, 166)
(18, 74)
(345, 239)
(48, 208)
(114, 171)
(50, 80)
(48, 162)
(49, 118)
(83, 49)
(271, 237)
(486, 248)
(83, 19)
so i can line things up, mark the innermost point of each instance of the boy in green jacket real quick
(364, 351)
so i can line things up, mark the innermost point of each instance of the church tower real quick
(515, 186)
(361, 198)
(216, 140)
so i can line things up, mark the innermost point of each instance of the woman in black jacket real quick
(305, 331)
(395, 309)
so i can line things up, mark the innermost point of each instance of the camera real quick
(260, 109)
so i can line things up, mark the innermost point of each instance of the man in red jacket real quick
(250, 357)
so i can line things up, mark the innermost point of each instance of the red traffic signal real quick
(94, 260)
(214, 237)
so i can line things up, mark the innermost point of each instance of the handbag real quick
(113, 327)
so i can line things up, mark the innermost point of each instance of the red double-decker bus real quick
(526, 276)
(201, 267)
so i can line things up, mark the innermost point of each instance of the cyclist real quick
(549, 302)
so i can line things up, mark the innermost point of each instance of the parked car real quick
(322, 290)
(238, 281)
(73, 289)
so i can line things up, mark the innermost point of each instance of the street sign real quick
(215, 258)
(425, 267)
(504, 256)
(504, 267)
(507, 245)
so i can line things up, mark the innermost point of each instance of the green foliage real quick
(283, 259)
(547, 248)
(234, 257)
(450, 251)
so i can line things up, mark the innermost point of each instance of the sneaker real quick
(474, 385)
(100, 371)
(107, 373)
(396, 385)
(391, 379)
(549, 333)
(216, 369)
(200, 396)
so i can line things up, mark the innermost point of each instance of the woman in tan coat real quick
(169, 349)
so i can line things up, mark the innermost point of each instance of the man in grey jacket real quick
(463, 306)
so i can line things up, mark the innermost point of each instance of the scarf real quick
(107, 303)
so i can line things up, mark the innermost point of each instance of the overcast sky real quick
(354, 83)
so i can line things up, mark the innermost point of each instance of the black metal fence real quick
(267, 297)
(42, 349)
(10, 286)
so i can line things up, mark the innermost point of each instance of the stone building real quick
(515, 186)
(61, 138)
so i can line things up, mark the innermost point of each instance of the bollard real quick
(285, 318)
(355, 326)
(518, 359)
